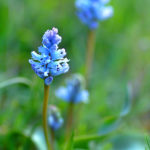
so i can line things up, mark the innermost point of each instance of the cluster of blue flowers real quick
(74, 91)
(92, 11)
(55, 121)
(50, 61)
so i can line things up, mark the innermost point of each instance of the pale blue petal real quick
(82, 96)
(43, 50)
(106, 12)
(63, 93)
(58, 54)
(82, 4)
(104, 1)
(61, 69)
(36, 56)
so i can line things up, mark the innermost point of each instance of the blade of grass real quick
(82, 141)
(147, 142)
(70, 142)
(17, 80)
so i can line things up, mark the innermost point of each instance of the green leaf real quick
(128, 101)
(128, 141)
(82, 141)
(39, 139)
(17, 80)
(70, 143)
(113, 122)
(109, 124)
(147, 142)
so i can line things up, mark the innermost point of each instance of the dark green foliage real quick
(16, 141)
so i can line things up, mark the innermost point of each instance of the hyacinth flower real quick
(73, 93)
(48, 63)
(91, 12)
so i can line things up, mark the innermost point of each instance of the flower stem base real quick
(45, 125)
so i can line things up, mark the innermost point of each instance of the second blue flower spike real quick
(74, 91)
(90, 12)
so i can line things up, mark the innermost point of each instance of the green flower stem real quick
(69, 124)
(52, 133)
(45, 125)
(89, 54)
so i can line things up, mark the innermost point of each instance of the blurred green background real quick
(122, 59)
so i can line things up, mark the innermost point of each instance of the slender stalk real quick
(52, 133)
(45, 126)
(69, 124)
(89, 54)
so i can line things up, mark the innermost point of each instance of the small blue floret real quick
(55, 121)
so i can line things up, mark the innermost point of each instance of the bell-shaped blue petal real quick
(82, 96)
(36, 56)
(58, 54)
(63, 93)
(48, 80)
(59, 67)
(43, 50)
(60, 70)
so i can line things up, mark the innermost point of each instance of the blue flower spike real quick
(55, 121)
(49, 61)
(90, 12)
(74, 91)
